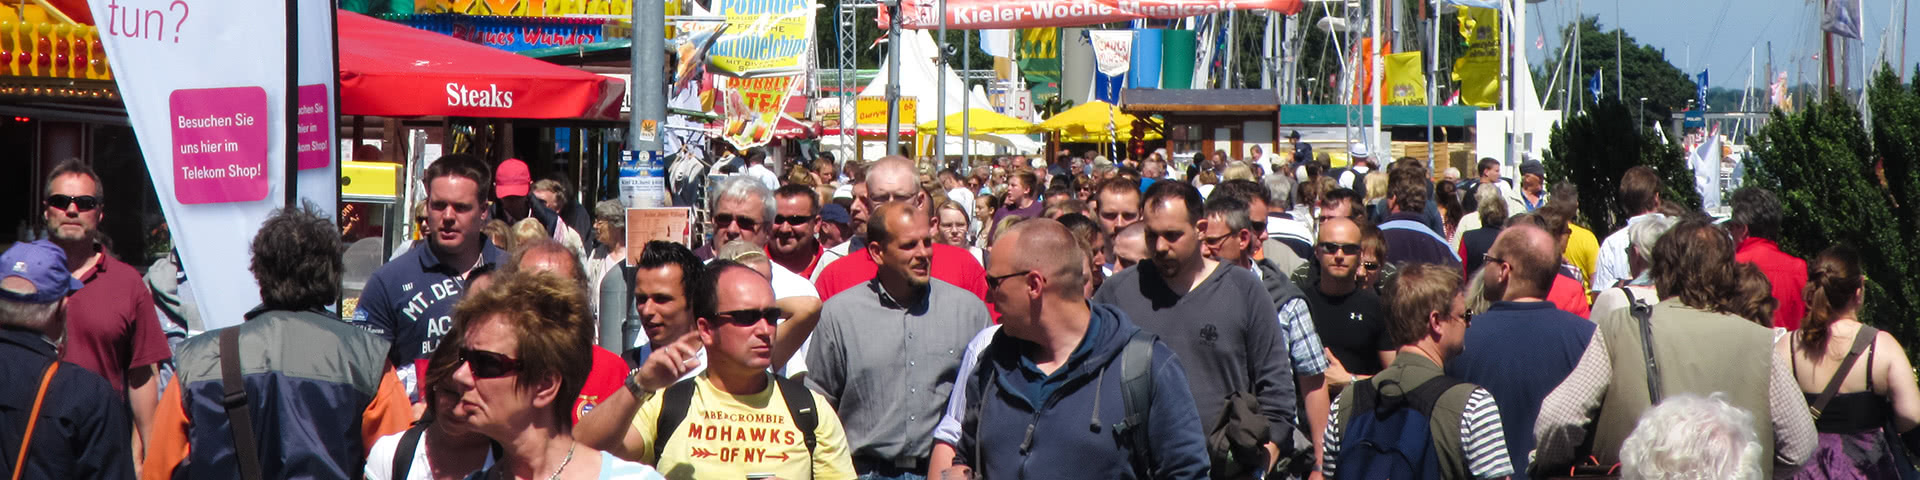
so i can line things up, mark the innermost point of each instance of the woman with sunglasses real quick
(439, 446)
(524, 350)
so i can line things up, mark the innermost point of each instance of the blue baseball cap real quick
(43, 264)
(835, 213)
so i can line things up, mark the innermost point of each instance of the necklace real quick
(556, 471)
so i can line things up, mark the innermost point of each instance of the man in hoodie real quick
(1047, 368)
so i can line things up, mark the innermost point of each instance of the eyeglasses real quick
(487, 364)
(724, 219)
(880, 199)
(1213, 241)
(1493, 259)
(1331, 248)
(1370, 266)
(792, 220)
(993, 282)
(750, 317)
(82, 203)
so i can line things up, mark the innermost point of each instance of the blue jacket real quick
(1066, 420)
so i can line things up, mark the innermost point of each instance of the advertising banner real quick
(981, 14)
(763, 38)
(672, 224)
(753, 108)
(1406, 80)
(1478, 69)
(526, 8)
(206, 96)
(872, 111)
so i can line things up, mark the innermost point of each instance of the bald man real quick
(1522, 346)
(1053, 349)
(1351, 320)
(893, 179)
(886, 353)
(1129, 247)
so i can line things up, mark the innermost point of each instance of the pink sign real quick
(315, 151)
(219, 144)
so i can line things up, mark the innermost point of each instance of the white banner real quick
(1112, 50)
(204, 86)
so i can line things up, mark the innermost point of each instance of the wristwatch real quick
(633, 385)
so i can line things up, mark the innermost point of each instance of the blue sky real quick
(1719, 34)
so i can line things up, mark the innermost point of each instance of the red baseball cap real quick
(511, 179)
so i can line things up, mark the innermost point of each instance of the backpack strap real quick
(1413, 226)
(246, 452)
(1861, 340)
(33, 417)
(1136, 390)
(1643, 314)
(800, 407)
(403, 454)
(673, 410)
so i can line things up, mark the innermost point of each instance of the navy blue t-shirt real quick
(1520, 351)
(409, 301)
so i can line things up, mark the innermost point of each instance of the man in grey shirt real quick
(885, 354)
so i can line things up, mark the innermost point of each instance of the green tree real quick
(1645, 70)
(1587, 150)
(1822, 164)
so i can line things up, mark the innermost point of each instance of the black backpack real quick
(677, 398)
(1390, 436)
(1136, 389)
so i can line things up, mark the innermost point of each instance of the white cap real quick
(1039, 162)
(1358, 150)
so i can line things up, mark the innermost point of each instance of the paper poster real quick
(673, 224)
(205, 89)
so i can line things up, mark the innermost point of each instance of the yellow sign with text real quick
(873, 111)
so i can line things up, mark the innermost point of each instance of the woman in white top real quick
(525, 348)
(445, 447)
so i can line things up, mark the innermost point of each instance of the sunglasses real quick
(792, 220)
(1370, 266)
(724, 219)
(82, 203)
(1344, 248)
(485, 364)
(750, 317)
(993, 282)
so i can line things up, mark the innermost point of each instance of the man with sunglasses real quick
(736, 419)
(1217, 315)
(795, 221)
(410, 300)
(885, 353)
(1348, 317)
(112, 327)
(1522, 346)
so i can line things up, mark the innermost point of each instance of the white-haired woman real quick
(1691, 437)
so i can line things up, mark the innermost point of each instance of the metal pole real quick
(940, 122)
(1378, 64)
(291, 99)
(966, 98)
(1433, 80)
(893, 77)
(648, 89)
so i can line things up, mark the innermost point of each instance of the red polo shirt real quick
(1787, 274)
(951, 264)
(111, 324)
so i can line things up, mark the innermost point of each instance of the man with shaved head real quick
(886, 353)
(893, 179)
(1351, 320)
(1216, 316)
(1130, 246)
(1521, 347)
(1054, 349)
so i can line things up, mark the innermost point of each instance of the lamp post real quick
(1641, 120)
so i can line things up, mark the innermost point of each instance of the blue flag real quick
(1700, 92)
(1593, 85)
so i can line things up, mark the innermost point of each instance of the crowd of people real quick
(898, 319)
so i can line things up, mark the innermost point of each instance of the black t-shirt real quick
(1353, 326)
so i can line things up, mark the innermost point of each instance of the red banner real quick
(984, 14)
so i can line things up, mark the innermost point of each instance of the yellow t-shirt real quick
(1582, 251)
(732, 436)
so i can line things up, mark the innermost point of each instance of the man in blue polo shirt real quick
(409, 301)
(1521, 347)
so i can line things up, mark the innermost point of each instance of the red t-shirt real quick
(1787, 274)
(111, 323)
(609, 375)
(951, 264)
(1567, 295)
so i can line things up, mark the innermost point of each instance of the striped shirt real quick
(1481, 436)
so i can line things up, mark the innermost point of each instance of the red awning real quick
(393, 70)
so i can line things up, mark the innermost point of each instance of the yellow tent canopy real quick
(1094, 121)
(982, 121)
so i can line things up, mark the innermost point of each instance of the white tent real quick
(917, 74)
